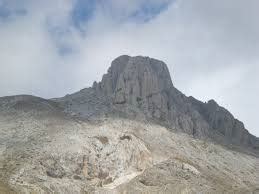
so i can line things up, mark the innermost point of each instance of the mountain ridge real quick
(132, 132)
(142, 87)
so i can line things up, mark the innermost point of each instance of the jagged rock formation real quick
(142, 87)
(222, 121)
(56, 146)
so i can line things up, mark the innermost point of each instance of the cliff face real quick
(142, 87)
(222, 121)
(56, 146)
(139, 82)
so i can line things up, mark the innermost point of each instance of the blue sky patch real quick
(59, 35)
(82, 12)
(148, 11)
(6, 12)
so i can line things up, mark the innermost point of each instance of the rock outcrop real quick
(141, 87)
(119, 137)
(223, 122)
(140, 82)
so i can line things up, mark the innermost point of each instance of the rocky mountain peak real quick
(141, 87)
(141, 83)
(131, 79)
(212, 102)
(119, 136)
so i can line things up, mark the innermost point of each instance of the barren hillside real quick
(133, 132)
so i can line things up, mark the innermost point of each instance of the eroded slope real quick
(64, 155)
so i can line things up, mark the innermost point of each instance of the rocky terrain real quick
(141, 87)
(133, 132)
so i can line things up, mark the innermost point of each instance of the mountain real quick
(141, 87)
(132, 132)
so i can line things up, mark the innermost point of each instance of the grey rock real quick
(49, 146)
(222, 121)
(141, 87)
(141, 82)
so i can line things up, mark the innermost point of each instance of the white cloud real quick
(211, 48)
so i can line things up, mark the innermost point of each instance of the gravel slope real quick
(42, 150)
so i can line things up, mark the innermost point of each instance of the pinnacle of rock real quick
(139, 81)
(119, 136)
(133, 79)
(141, 87)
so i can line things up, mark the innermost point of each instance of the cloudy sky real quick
(50, 48)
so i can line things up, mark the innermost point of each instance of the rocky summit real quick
(141, 87)
(132, 132)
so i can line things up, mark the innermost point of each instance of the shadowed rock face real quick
(140, 82)
(222, 121)
(142, 87)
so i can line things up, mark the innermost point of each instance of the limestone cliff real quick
(141, 87)
(118, 136)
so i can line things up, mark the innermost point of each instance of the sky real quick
(53, 48)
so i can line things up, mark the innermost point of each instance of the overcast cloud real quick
(51, 48)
